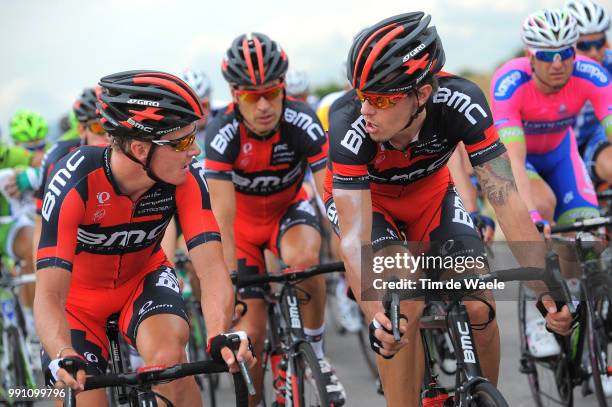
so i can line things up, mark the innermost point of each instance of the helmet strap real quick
(147, 165)
(417, 112)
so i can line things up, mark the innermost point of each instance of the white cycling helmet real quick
(550, 28)
(297, 83)
(590, 17)
(198, 81)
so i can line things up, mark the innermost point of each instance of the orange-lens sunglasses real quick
(180, 144)
(380, 101)
(253, 96)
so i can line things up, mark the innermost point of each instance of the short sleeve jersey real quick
(457, 112)
(523, 112)
(52, 156)
(587, 123)
(267, 172)
(101, 235)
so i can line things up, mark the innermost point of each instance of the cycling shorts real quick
(590, 150)
(569, 180)
(88, 309)
(8, 234)
(251, 240)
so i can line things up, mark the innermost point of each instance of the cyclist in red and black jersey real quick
(387, 177)
(104, 213)
(91, 133)
(257, 152)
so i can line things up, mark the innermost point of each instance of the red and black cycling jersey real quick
(267, 171)
(457, 112)
(52, 156)
(104, 237)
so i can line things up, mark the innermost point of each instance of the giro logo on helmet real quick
(412, 53)
(143, 102)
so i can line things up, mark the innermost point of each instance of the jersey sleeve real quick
(14, 156)
(598, 86)
(313, 140)
(506, 99)
(194, 209)
(469, 117)
(62, 211)
(222, 146)
(350, 148)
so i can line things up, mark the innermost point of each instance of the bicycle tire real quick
(304, 360)
(18, 364)
(597, 338)
(549, 379)
(484, 394)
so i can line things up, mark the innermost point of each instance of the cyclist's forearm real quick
(350, 252)
(217, 293)
(51, 323)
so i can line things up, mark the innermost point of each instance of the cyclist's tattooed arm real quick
(498, 186)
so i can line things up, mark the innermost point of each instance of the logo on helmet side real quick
(412, 53)
(143, 102)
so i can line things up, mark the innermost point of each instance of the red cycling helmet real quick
(395, 55)
(146, 104)
(254, 60)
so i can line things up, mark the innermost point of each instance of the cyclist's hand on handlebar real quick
(381, 335)
(61, 378)
(219, 349)
(558, 321)
(542, 224)
(485, 226)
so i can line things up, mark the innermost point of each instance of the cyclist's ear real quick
(424, 92)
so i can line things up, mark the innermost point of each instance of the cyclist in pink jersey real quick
(535, 101)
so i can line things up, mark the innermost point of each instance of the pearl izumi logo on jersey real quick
(59, 181)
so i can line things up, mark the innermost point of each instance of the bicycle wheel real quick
(549, 378)
(600, 292)
(486, 395)
(307, 379)
(18, 365)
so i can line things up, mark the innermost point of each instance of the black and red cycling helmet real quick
(254, 60)
(146, 104)
(395, 55)
(84, 107)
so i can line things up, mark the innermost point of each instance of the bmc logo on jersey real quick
(304, 122)
(59, 180)
(115, 240)
(591, 72)
(224, 136)
(508, 83)
(460, 102)
(353, 139)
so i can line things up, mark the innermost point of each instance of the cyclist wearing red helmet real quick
(256, 156)
(104, 213)
(387, 177)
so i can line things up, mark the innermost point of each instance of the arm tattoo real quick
(496, 180)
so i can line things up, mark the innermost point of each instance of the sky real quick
(52, 49)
